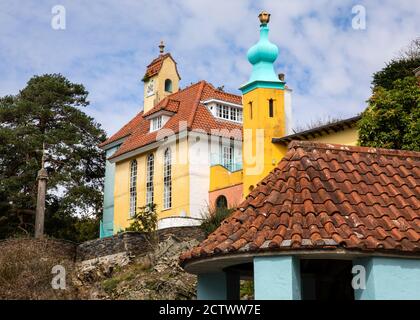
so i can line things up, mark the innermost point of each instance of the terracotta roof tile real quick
(126, 130)
(324, 196)
(154, 67)
(187, 110)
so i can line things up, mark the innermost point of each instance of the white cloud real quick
(107, 45)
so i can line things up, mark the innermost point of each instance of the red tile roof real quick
(187, 108)
(324, 196)
(166, 104)
(126, 130)
(154, 67)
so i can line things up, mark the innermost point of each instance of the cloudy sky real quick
(106, 45)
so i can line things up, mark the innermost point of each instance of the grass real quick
(26, 266)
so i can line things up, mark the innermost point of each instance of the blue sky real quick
(107, 44)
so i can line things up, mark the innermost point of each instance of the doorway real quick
(326, 279)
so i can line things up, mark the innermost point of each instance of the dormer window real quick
(156, 123)
(228, 113)
(224, 110)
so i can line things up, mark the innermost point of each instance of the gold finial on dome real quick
(161, 47)
(264, 17)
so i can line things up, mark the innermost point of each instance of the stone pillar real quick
(40, 203)
(390, 279)
(218, 286)
(277, 278)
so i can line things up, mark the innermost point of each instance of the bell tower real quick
(264, 99)
(160, 80)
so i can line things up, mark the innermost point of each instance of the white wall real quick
(199, 173)
(288, 110)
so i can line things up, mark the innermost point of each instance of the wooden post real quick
(40, 201)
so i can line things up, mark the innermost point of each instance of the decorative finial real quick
(264, 17)
(161, 47)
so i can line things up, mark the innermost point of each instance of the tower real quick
(161, 79)
(266, 101)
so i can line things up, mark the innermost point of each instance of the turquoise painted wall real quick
(390, 279)
(107, 223)
(277, 278)
(212, 286)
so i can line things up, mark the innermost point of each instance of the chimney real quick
(281, 77)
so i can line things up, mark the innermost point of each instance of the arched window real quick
(133, 187)
(149, 178)
(221, 202)
(167, 180)
(168, 85)
(271, 108)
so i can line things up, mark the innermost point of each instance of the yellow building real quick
(202, 147)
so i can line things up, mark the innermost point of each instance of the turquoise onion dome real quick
(262, 56)
(263, 50)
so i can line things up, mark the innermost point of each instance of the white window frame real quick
(156, 123)
(167, 179)
(150, 166)
(230, 113)
(133, 188)
(227, 155)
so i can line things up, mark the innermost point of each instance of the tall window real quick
(133, 188)
(168, 85)
(167, 180)
(271, 108)
(227, 156)
(149, 179)
(156, 123)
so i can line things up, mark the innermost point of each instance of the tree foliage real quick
(392, 119)
(144, 220)
(49, 110)
(396, 69)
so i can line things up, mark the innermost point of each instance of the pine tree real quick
(49, 110)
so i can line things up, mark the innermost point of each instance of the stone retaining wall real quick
(123, 244)
(132, 243)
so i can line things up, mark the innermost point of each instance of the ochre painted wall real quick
(167, 71)
(257, 117)
(347, 136)
(180, 185)
(221, 178)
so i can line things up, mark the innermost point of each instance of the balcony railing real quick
(232, 167)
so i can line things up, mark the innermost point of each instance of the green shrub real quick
(145, 220)
(247, 289)
(214, 218)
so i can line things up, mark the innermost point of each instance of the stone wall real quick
(123, 244)
(132, 243)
